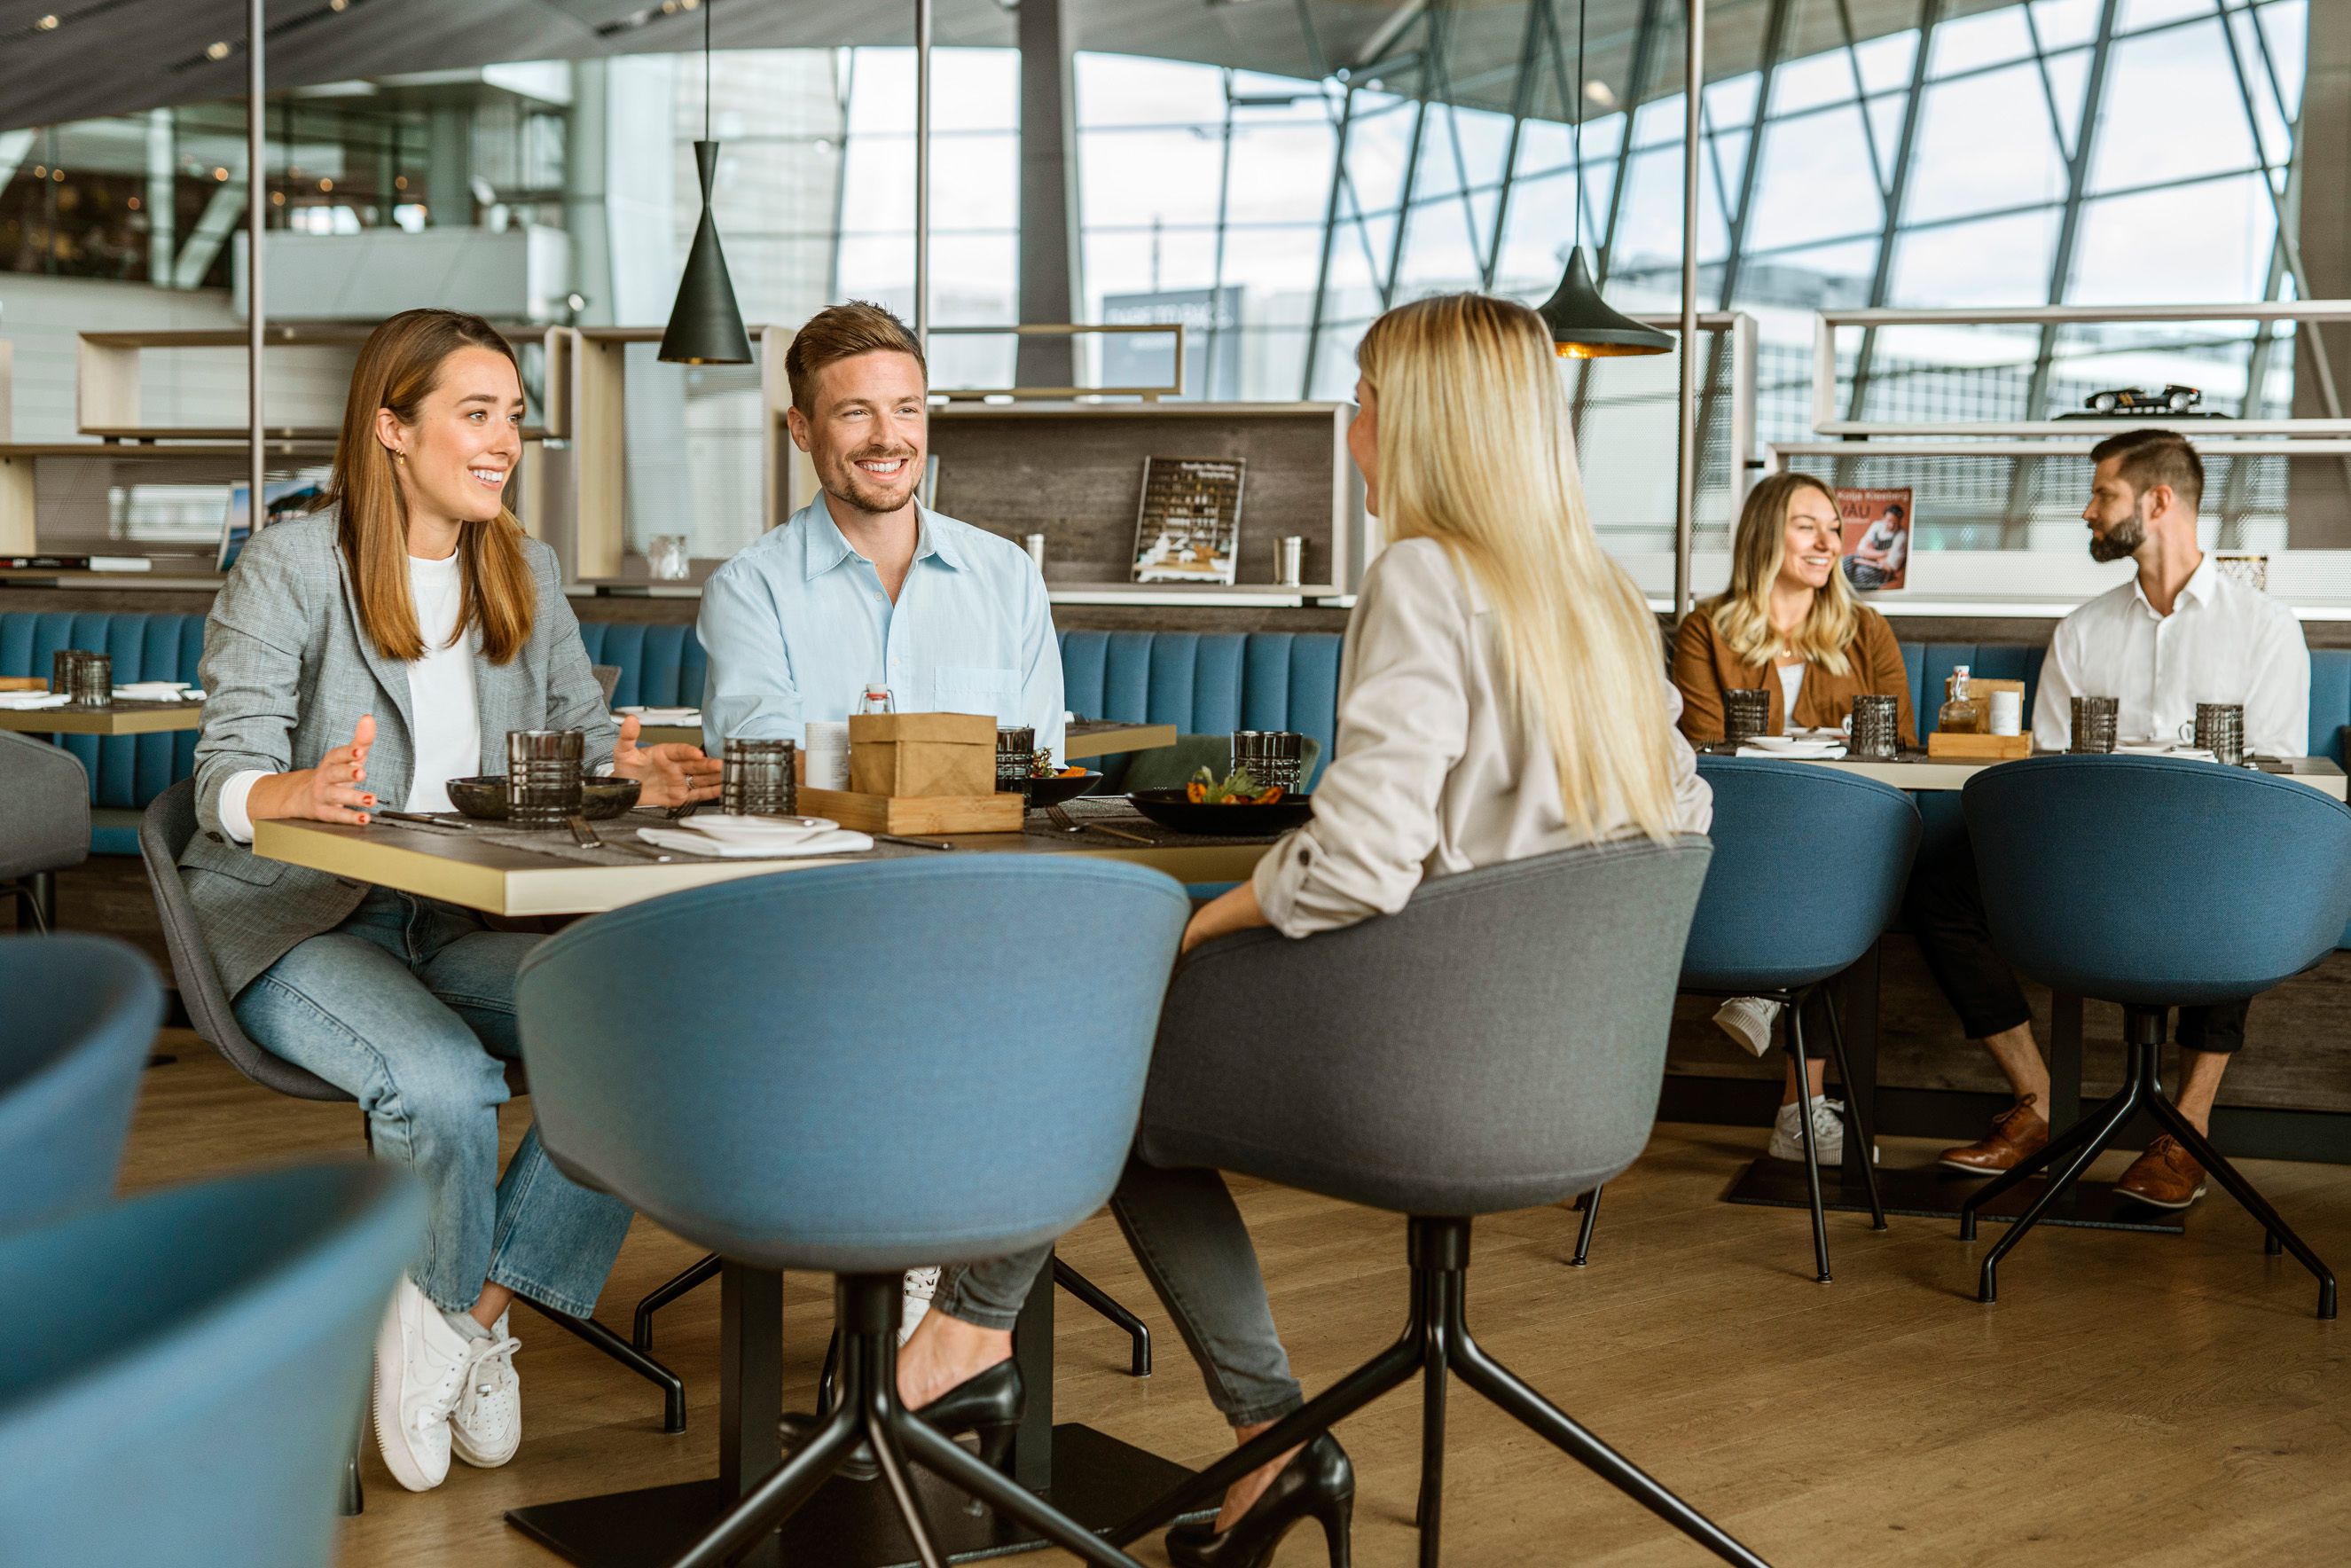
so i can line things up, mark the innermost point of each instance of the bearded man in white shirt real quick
(2177, 634)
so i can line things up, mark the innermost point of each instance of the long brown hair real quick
(1742, 612)
(398, 368)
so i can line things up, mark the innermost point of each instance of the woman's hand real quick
(1235, 909)
(671, 774)
(334, 791)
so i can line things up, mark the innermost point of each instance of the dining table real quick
(124, 715)
(1933, 1192)
(1086, 738)
(1095, 1479)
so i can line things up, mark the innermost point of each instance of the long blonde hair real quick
(398, 367)
(1742, 612)
(1477, 452)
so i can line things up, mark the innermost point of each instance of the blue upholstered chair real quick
(1809, 866)
(142, 1333)
(995, 1012)
(2154, 883)
(81, 1013)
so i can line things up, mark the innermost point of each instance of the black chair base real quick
(2086, 1140)
(869, 1418)
(1792, 1011)
(1138, 1332)
(1436, 1341)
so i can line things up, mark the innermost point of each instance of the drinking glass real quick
(668, 555)
(1015, 753)
(2093, 723)
(2220, 729)
(543, 783)
(1745, 713)
(86, 678)
(1271, 756)
(755, 778)
(1876, 726)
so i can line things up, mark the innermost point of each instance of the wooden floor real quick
(2132, 1398)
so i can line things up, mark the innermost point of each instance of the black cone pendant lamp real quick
(706, 326)
(1582, 327)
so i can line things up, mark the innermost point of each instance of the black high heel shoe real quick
(986, 1405)
(1319, 1483)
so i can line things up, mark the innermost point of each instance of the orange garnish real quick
(1196, 793)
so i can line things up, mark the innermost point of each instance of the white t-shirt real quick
(440, 694)
(1792, 680)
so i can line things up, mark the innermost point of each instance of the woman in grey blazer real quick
(362, 657)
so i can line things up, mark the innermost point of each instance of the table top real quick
(1106, 739)
(1935, 775)
(462, 869)
(124, 716)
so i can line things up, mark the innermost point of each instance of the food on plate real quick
(1238, 788)
(1041, 765)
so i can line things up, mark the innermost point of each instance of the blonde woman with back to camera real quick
(1789, 624)
(1502, 696)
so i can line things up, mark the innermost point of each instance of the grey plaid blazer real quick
(287, 672)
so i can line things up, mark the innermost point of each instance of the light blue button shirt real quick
(797, 626)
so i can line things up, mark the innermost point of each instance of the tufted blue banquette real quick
(126, 771)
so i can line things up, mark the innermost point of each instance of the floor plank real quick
(2131, 1399)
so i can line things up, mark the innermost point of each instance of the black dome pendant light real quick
(705, 325)
(1583, 326)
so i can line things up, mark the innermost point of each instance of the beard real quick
(869, 493)
(2123, 539)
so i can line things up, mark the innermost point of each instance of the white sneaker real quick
(487, 1427)
(922, 1284)
(419, 1371)
(1749, 1020)
(1828, 1132)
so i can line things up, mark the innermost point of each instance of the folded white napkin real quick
(1798, 751)
(21, 700)
(665, 714)
(157, 691)
(824, 841)
(2164, 749)
(757, 829)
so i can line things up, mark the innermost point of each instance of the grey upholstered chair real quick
(43, 822)
(169, 822)
(1498, 1044)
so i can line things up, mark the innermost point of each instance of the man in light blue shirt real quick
(862, 587)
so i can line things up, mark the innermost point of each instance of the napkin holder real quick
(901, 755)
(1945, 747)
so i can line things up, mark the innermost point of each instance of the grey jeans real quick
(1196, 1252)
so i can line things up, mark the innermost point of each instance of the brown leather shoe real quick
(2018, 1134)
(2166, 1176)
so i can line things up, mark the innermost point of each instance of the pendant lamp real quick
(1582, 327)
(706, 326)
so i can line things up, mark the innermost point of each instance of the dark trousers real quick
(1945, 904)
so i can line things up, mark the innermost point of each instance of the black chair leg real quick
(1590, 1207)
(1865, 1136)
(661, 1295)
(1438, 1332)
(2109, 1122)
(1793, 1012)
(673, 1387)
(1429, 1513)
(353, 1502)
(2026, 1169)
(773, 1501)
(1137, 1331)
(2279, 1233)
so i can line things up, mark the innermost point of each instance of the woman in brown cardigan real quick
(1788, 623)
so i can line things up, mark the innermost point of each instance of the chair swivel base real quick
(868, 1415)
(2087, 1139)
(1436, 1341)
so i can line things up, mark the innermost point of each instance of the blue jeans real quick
(409, 1006)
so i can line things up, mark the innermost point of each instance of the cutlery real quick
(427, 818)
(918, 843)
(587, 838)
(1063, 820)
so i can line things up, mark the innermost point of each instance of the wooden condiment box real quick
(1982, 747)
(918, 754)
(990, 813)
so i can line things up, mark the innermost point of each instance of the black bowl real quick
(1044, 792)
(485, 798)
(1170, 809)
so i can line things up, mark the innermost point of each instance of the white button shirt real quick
(2222, 642)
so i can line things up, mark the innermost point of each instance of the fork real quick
(1068, 824)
(589, 838)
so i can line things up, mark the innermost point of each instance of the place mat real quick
(558, 844)
(1118, 812)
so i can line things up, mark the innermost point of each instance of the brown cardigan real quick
(1705, 667)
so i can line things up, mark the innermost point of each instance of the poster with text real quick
(1876, 548)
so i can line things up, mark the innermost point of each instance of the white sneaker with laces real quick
(922, 1284)
(1828, 1132)
(1749, 1021)
(419, 1371)
(486, 1426)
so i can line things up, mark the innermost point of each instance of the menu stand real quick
(1094, 1478)
(1931, 1192)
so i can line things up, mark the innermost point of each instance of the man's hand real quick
(671, 774)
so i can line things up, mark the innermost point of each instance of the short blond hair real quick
(842, 332)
